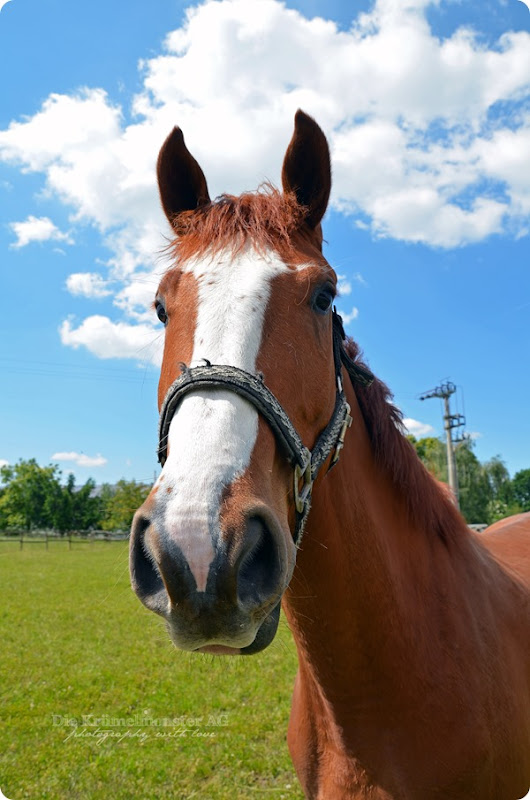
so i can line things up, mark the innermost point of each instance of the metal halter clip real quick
(301, 496)
(342, 435)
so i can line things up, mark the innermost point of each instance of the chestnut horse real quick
(413, 634)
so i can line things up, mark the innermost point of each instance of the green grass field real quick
(88, 677)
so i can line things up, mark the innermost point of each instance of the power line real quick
(55, 369)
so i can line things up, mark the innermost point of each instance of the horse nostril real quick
(259, 568)
(145, 577)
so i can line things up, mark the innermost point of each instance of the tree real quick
(3, 511)
(77, 508)
(502, 503)
(475, 491)
(433, 454)
(122, 503)
(86, 506)
(486, 492)
(31, 496)
(476, 484)
(499, 479)
(521, 488)
(105, 495)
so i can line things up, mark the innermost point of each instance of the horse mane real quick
(429, 505)
(267, 218)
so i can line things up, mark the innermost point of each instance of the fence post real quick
(21, 540)
(70, 540)
(46, 540)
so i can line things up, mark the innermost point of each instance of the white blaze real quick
(213, 433)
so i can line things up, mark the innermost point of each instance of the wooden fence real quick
(24, 538)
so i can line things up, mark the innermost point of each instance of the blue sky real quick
(427, 109)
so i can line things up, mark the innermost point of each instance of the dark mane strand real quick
(267, 218)
(429, 506)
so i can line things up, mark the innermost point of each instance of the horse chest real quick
(372, 762)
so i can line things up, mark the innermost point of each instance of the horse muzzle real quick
(237, 610)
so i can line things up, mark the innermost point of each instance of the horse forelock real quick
(267, 219)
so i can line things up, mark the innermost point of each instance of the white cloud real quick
(80, 459)
(65, 127)
(3, 462)
(349, 316)
(343, 285)
(87, 284)
(107, 339)
(359, 278)
(430, 138)
(37, 229)
(136, 298)
(418, 429)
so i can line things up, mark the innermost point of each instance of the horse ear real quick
(306, 168)
(181, 181)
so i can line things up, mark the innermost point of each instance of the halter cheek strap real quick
(306, 463)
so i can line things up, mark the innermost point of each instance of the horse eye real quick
(161, 312)
(323, 299)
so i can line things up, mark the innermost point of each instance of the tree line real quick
(486, 491)
(34, 498)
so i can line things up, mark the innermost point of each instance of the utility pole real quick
(450, 421)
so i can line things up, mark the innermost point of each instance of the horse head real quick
(248, 388)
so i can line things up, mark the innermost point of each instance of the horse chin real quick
(266, 633)
(264, 636)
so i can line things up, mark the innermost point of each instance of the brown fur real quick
(429, 505)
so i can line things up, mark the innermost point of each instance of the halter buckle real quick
(302, 495)
(346, 423)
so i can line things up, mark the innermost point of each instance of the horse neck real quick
(370, 579)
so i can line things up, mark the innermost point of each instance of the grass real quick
(76, 642)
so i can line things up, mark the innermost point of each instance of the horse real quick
(287, 481)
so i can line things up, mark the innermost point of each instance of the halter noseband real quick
(306, 463)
